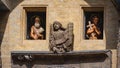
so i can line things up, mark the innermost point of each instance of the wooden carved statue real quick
(61, 39)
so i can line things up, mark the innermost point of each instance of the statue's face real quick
(95, 20)
(37, 20)
(56, 26)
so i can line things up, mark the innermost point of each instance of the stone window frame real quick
(97, 8)
(92, 9)
(24, 22)
(93, 44)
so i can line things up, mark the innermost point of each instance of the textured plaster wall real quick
(64, 11)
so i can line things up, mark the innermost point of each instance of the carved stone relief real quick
(61, 39)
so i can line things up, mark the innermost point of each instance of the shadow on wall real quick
(4, 14)
(110, 29)
(116, 4)
(11, 4)
(112, 32)
(3, 21)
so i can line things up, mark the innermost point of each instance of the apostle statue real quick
(37, 29)
(93, 31)
(61, 39)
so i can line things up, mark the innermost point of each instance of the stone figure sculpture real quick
(93, 30)
(37, 30)
(61, 39)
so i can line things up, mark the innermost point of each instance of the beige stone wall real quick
(114, 58)
(64, 11)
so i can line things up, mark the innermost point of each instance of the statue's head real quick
(57, 25)
(95, 19)
(37, 19)
(37, 22)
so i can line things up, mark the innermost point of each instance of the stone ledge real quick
(67, 53)
(75, 59)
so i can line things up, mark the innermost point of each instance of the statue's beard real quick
(37, 25)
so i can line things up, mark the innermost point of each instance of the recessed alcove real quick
(30, 14)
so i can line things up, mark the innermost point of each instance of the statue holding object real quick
(61, 39)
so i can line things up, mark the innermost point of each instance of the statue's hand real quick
(90, 31)
(35, 37)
